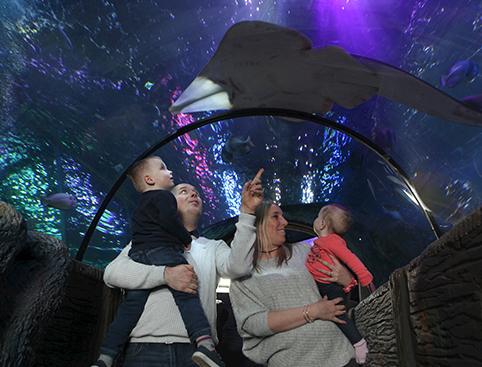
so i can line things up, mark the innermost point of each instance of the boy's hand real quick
(252, 194)
(181, 278)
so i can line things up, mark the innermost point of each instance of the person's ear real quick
(149, 180)
(318, 226)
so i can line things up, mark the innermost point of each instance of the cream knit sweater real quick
(161, 321)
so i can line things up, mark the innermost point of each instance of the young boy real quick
(333, 221)
(158, 238)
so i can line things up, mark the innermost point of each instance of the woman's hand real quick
(328, 310)
(252, 194)
(338, 273)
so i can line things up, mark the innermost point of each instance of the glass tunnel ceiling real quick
(86, 88)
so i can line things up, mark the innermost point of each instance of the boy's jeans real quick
(159, 355)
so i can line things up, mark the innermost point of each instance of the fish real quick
(474, 102)
(460, 71)
(259, 64)
(60, 200)
(235, 147)
(148, 85)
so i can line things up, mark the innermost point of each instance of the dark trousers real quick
(159, 355)
(130, 311)
(349, 329)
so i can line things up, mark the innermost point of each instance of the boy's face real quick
(157, 174)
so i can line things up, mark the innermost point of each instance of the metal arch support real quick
(250, 113)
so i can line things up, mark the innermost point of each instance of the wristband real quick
(349, 287)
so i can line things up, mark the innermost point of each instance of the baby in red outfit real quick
(332, 221)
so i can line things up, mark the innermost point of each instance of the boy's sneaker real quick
(204, 357)
(99, 363)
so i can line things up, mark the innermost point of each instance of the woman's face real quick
(275, 226)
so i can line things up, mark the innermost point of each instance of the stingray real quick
(259, 64)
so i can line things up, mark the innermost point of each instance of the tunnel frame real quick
(252, 112)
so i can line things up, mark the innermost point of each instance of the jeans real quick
(159, 355)
(130, 311)
(349, 329)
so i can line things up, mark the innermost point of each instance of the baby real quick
(333, 221)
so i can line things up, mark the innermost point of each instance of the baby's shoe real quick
(361, 351)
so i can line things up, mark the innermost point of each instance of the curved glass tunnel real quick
(85, 88)
(306, 165)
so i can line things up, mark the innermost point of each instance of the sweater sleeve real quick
(123, 272)
(251, 315)
(167, 211)
(237, 261)
(339, 248)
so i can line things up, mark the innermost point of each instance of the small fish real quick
(461, 70)
(474, 102)
(60, 200)
(148, 85)
(236, 146)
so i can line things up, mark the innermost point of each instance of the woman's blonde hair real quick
(262, 240)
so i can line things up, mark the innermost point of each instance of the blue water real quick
(85, 88)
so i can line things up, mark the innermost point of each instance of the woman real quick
(279, 313)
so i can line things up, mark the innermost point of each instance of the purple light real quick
(355, 25)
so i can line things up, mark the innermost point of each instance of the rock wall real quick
(430, 312)
(53, 311)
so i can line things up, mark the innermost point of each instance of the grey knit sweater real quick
(320, 343)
